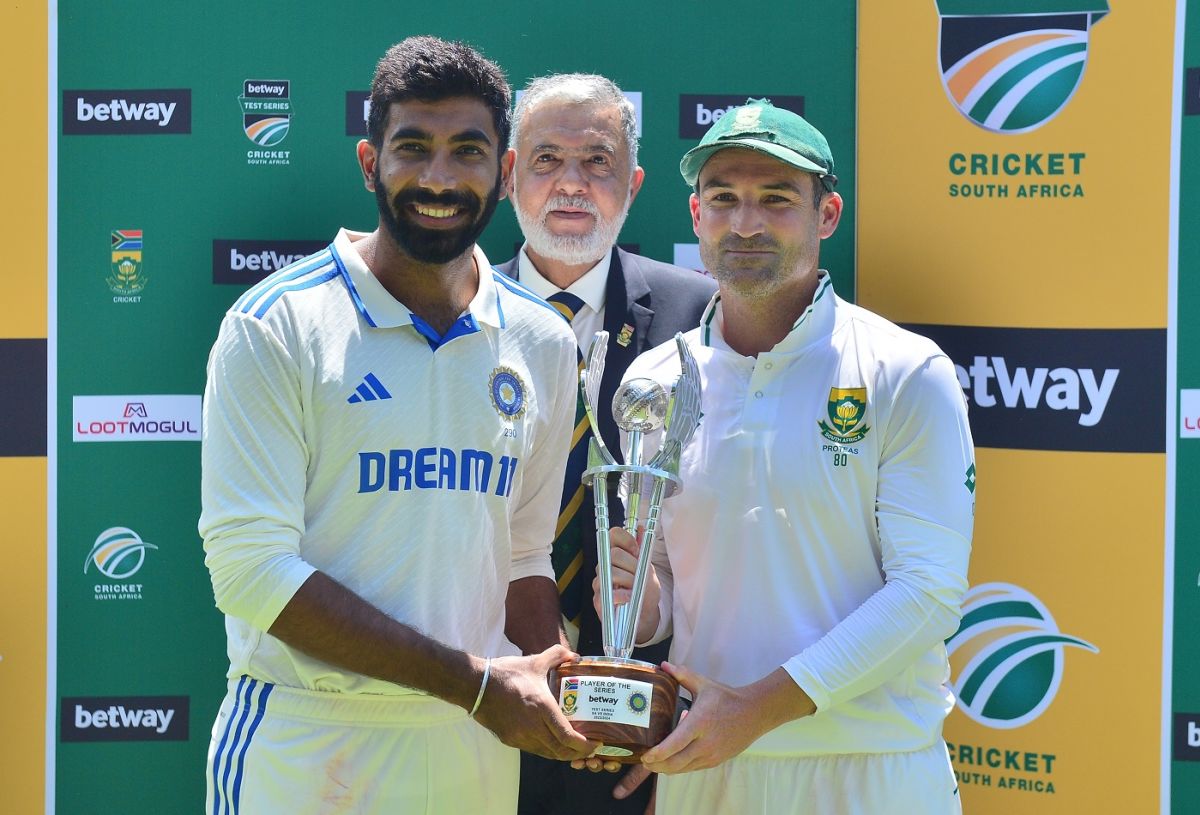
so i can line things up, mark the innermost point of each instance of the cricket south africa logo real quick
(1010, 66)
(126, 278)
(1007, 656)
(266, 118)
(118, 553)
(847, 408)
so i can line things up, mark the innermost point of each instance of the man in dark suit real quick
(574, 178)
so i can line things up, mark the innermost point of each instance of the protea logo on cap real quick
(1010, 66)
(1007, 656)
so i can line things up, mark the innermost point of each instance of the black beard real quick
(435, 246)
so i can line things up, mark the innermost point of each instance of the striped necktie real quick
(567, 555)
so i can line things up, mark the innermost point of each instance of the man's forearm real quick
(327, 621)
(532, 619)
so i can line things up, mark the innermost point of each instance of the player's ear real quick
(635, 183)
(367, 156)
(507, 162)
(831, 213)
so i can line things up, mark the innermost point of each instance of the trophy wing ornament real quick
(683, 411)
(589, 383)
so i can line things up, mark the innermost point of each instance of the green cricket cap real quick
(777, 132)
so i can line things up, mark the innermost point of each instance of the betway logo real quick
(118, 716)
(127, 112)
(263, 88)
(1062, 388)
(248, 261)
(698, 111)
(123, 110)
(1086, 389)
(130, 718)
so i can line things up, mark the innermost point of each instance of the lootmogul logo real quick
(1010, 66)
(154, 417)
(126, 278)
(1007, 656)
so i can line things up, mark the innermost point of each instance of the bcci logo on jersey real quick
(126, 278)
(1007, 656)
(1010, 66)
(266, 118)
(847, 408)
(507, 392)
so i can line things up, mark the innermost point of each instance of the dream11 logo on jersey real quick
(1011, 66)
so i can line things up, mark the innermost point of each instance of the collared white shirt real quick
(824, 524)
(591, 288)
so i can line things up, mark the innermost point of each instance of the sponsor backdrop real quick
(1025, 230)
(199, 149)
(1016, 180)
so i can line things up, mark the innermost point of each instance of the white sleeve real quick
(535, 515)
(253, 471)
(924, 509)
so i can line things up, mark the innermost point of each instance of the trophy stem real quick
(604, 560)
(634, 499)
(632, 613)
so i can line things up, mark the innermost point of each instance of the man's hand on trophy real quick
(518, 707)
(624, 551)
(723, 721)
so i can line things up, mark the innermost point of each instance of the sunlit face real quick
(437, 176)
(573, 182)
(758, 227)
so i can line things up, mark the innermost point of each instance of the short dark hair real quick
(429, 69)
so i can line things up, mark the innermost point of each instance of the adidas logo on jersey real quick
(369, 390)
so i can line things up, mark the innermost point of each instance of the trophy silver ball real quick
(640, 405)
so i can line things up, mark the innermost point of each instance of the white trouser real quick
(917, 783)
(278, 750)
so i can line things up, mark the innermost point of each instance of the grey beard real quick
(573, 250)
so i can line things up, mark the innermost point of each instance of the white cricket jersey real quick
(342, 434)
(824, 524)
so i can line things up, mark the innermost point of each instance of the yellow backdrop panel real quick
(926, 256)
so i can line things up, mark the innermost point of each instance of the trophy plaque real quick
(628, 704)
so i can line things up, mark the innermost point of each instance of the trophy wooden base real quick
(627, 704)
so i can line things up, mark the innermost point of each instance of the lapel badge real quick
(625, 336)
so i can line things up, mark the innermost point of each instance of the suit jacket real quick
(657, 299)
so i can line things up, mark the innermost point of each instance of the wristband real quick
(487, 670)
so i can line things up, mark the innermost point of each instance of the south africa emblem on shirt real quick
(847, 408)
(508, 392)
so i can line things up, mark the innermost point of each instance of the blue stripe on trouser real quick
(216, 761)
(241, 759)
(237, 747)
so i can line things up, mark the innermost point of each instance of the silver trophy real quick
(643, 697)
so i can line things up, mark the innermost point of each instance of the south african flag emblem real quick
(1010, 66)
